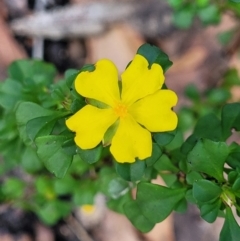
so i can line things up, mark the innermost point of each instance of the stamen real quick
(121, 110)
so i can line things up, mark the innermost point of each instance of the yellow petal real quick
(100, 84)
(131, 141)
(139, 81)
(90, 125)
(154, 111)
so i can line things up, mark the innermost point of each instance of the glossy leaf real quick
(165, 138)
(156, 154)
(91, 155)
(133, 212)
(231, 229)
(25, 112)
(155, 55)
(230, 118)
(209, 212)
(157, 202)
(131, 171)
(209, 126)
(49, 150)
(206, 191)
(209, 157)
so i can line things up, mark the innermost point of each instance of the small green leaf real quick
(231, 77)
(209, 14)
(188, 145)
(206, 191)
(193, 177)
(236, 185)
(13, 188)
(117, 188)
(209, 126)
(52, 211)
(192, 92)
(157, 202)
(209, 212)
(133, 212)
(10, 93)
(169, 178)
(230, 118)
(165, 164)
(36, 69)
(233, 158)
(91, 155)
(25, 112)
(131, 171)
(183, 18)
(155, 55)
(70, 147)
(156, 153)
(231, 229)
(209, 157)
(165, 138)
(30, 160)
(49, 150)
(40, 126)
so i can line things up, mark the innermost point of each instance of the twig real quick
(76, 227)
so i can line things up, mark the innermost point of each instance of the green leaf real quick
(192, 92)
(209, 212)
(206, 191)
(65, 185)
(188, 145)
(156, 153)
(209, 157)
(209, 14)
(182, 206)
(231, 78)
(25, 112)
(117, 188)
(70, 147)
(30, 161)
(10, 93)
(155, 55)
(131, 171)
(52, 211)
(13, 188)
(183, 18)
(236, 185)
(230, 118)
(193, 177)
(233, 158)
(49, 150)
(36, 69)
(218, 96)
(133, 212)
(169, 178)
(157, 202)
(165, 164)
(231, 229)
(209, 126)
(91, 155)
(165, 138)
(41, 126)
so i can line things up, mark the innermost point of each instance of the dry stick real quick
(76, 227)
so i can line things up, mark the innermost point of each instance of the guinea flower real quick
(136, 106)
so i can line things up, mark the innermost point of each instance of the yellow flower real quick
(139, 107)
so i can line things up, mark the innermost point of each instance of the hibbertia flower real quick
(136, 106)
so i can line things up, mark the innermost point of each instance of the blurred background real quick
(202, 38)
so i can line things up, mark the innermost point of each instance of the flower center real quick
(120, 110)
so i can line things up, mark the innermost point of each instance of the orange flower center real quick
(120, 110)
